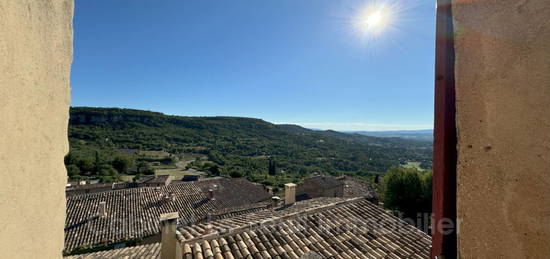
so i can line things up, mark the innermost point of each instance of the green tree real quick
(169, 160)
(70, 159)
(427, 178)
(407, 190)
(148, 171)
(216, 157)
(122, 163)
(108, 174)
(108, 179)
(97, 161)
(107, 170)
(142, 166)
(235, 174)
(86, 166)
(272, 169)
(215, 170)
(145, 169)
(73, 171)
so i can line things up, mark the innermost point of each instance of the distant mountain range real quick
(423, 135)
(241, 147)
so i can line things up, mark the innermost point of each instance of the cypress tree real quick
(272, 169)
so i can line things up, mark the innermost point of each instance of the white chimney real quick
(275, 201)
(169, 242)
(102, 210)
(211, 194)
(290, 193)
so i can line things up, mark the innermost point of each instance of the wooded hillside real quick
(236, 147)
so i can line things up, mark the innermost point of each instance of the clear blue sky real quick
(284, 61)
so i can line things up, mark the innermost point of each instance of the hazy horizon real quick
(312, 126)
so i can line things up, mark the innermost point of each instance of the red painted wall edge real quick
(444, 152)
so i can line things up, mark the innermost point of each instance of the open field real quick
(126, 177)
(178, 173)
(414, 165)
(180, 167)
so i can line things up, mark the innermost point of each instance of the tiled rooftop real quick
(229, 224)
(94, 188)
(358, 188)
(134, 213)
(152, 179)
(327, 227)
(144, 251)
(319, 228)
(236, 211)
(323, 181)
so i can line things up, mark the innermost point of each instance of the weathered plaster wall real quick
(503, 119)
(35, 58)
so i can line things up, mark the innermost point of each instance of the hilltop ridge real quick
(240, 147)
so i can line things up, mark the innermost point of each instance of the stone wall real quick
(35, 59)
(503, 120)
(319, 186)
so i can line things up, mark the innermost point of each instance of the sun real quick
(378, 23)
(374, 19)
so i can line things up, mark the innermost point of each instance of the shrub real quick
(407, 190)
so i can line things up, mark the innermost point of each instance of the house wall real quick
(502, 74)
(35, 59)
(311, 188)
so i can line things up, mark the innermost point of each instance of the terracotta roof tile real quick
(328, 227)
(325, 227)
(134, 213)
(144, 251)
(354, 187)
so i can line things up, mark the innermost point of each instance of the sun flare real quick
(376, 19)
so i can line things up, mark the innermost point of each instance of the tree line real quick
(408, 191)
(234, 147)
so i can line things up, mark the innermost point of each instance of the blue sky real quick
(285, 61)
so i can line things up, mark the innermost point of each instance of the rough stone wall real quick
(35, 59)
(503, 120)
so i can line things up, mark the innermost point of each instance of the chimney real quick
(211, 194)
(269, 190)
(275, 201)
(169, 242)
(169, 197)
(102, 210)
(290, 193)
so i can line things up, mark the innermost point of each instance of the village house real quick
(143, 181)
(319, 186)
(71, 190)
(153, 181)
(330, 186)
